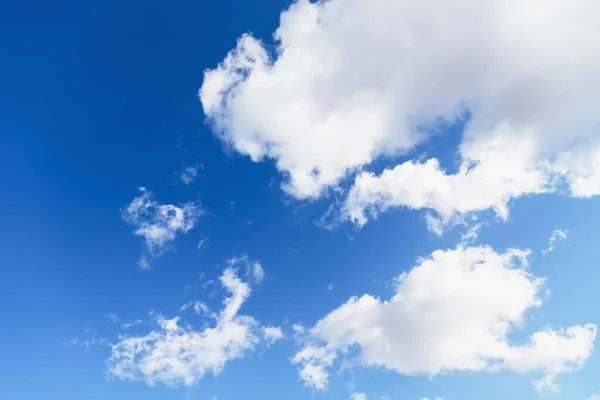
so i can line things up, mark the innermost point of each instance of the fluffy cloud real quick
(556, 236)
(352, 80)
(177, 354)
(358, 396)
(495, 169)
(159, 224)
(452, 312)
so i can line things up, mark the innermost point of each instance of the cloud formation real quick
(189, 174)
(494, 170)
(177, 354)
(351, 81)
(452, 312)
(253, 268)
(556, 236)
(159, 224)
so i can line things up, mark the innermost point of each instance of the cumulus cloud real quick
(556, 236)
(176, 354)
(452, 312)
(159, 224)
(495, 169)
(350, 81)
(358, 396)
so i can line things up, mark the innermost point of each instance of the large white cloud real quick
(177, 354)
(159, 224)
(352, 80)
(454, 311)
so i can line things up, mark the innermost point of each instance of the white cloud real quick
(189, 174)
(351, 81)
(114, 318)
(595, 397)
(581, 166)
(495, 169)
(253, 268)
(452, 312)
(203, 242)
(198, 307)
(315, 362)
(177, 354)
(86, 343)
(358, 396)
(126, 325)
(159, 224)
(556, 236)
(272, 334)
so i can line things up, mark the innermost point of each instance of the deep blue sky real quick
(98, 98)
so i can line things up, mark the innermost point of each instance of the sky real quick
(344, 199)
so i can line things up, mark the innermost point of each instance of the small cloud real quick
(114, 318)
(434, 224)
(330, 219)
(199, 308)
(126, 325)
(159, 224)
(330, 287)
(358, 396)
(557, 236)
(189, 174)
(143, 262)
(272, 334)
(203, 242)
(471, 234)
(258, 272)
(253, 268)
(86, 343)
(194, 352)
(546, 385)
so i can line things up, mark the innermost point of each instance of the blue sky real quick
(357, 203)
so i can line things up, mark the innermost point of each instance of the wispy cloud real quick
(159, 224)
(557, 236)
(177, 354)
(253, 268)
(189, 174)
